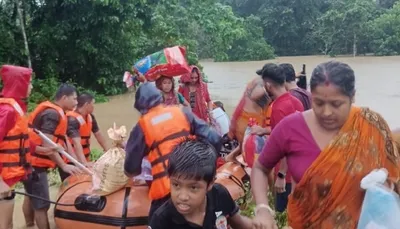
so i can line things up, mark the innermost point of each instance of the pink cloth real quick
(292, 139)
(202, 95)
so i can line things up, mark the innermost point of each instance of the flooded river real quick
(377, 83)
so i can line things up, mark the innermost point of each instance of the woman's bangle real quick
(265, 206)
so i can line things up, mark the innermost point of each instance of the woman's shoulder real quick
(373, 117)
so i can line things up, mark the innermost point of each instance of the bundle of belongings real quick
(252, 144)
(381, 205)
(108, 170)
(167, 62)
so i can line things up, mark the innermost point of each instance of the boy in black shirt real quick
(196, 202)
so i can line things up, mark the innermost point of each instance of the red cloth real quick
(220, 162)
(283, 106)
(202, 95)
(16, 81)
(8, 119)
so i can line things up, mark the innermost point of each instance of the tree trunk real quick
(22, 25)
(354, 45)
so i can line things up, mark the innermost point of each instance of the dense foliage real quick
(329, 27)
(91, 43)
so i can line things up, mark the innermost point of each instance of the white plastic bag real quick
(146, 171)
(381, 205)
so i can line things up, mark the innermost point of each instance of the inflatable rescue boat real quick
(126, 208)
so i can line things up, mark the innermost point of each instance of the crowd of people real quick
(320, 146)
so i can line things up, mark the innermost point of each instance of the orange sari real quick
(329, 195)
(240, 117)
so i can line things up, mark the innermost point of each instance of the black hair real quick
(337, 73)
(65, 90)
(288, 71)
(220, 105)
(84, 98)
(193, 159)
(273, 72)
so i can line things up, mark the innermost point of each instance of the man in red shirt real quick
(283, 105)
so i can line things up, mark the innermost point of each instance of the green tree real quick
(385, 31)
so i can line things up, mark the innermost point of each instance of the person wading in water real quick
(49, 118)
(81, 124)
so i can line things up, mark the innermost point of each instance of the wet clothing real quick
(303, 95)
(73, 127)
(220, 206)
(38, 185)
(47, 121)
(135, 148)
(16, 81)
(149, 97)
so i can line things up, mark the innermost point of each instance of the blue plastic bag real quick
(381, 205)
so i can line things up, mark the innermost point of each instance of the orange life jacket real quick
(85, 130)
(44, 161)
(163, 128)
(14, 148)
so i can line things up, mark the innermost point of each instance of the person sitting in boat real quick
(254, 104)
(159, 130)
(196, 92)
(167, 87)
(196, 201)
(329, 149)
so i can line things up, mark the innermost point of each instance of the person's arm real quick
(273, 151)
(74, 134)
(210, 104)
(231, 157)
(42, 150)
(70, 150)
(231, 209)
(99, 136)
(283, 166)
(182, 100)
(202, 130)
(136, 149)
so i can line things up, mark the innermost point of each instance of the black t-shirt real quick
(220, 206)
(47, 121)
(74, 126)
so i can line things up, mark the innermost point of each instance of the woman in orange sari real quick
(329, 149)
(254, 104)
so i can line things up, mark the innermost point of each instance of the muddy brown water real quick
(377, 83)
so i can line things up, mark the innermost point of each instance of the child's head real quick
(192, 169)
(165, 84)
